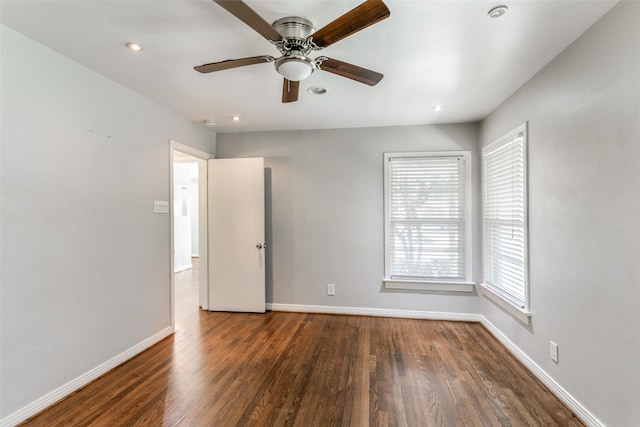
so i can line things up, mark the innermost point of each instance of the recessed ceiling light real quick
(497, 11)
(317, 90)
(235, 118)
(437, 108)
(136, 47)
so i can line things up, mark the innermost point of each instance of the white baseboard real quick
(378, 312)
(50, 398)
(581, 412)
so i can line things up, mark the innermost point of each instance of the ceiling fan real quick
(296, 37)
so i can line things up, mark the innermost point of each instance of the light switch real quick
(161, 206)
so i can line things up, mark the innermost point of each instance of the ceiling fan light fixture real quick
(294, 67)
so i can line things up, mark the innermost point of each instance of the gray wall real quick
(326, 212)
(85, 261)
(583, 111)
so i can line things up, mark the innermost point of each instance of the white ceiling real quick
(445, 53)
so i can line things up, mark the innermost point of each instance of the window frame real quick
(432, 284)
(490, 290)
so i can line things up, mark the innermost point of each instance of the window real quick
(427, 220)
(505, 253)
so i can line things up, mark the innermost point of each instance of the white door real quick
(236, 235)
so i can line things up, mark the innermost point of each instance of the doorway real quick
(188, 219)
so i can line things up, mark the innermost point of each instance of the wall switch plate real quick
(160, 206)
(553, 351)
(331, 289)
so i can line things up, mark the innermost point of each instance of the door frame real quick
(203, 231)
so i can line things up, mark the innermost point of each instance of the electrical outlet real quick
(553, 351)
(331, 289)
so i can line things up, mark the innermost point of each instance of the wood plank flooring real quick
(293, 369)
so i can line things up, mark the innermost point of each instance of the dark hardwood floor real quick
(293, 369)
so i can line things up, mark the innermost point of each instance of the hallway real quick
(186, 296)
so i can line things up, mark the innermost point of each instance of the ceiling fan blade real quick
(368, 13)
(290, 91)
(351, 71)
(247, 15)
(232, 63)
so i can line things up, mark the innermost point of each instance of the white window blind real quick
(426, 217)
(505, 218)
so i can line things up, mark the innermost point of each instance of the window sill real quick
(520, 314)
(420, 285)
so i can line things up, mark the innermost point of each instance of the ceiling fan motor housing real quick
(294, 64)
(294, 30)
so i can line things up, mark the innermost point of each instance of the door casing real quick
(202, 223)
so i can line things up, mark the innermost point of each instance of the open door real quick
(236, 235)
